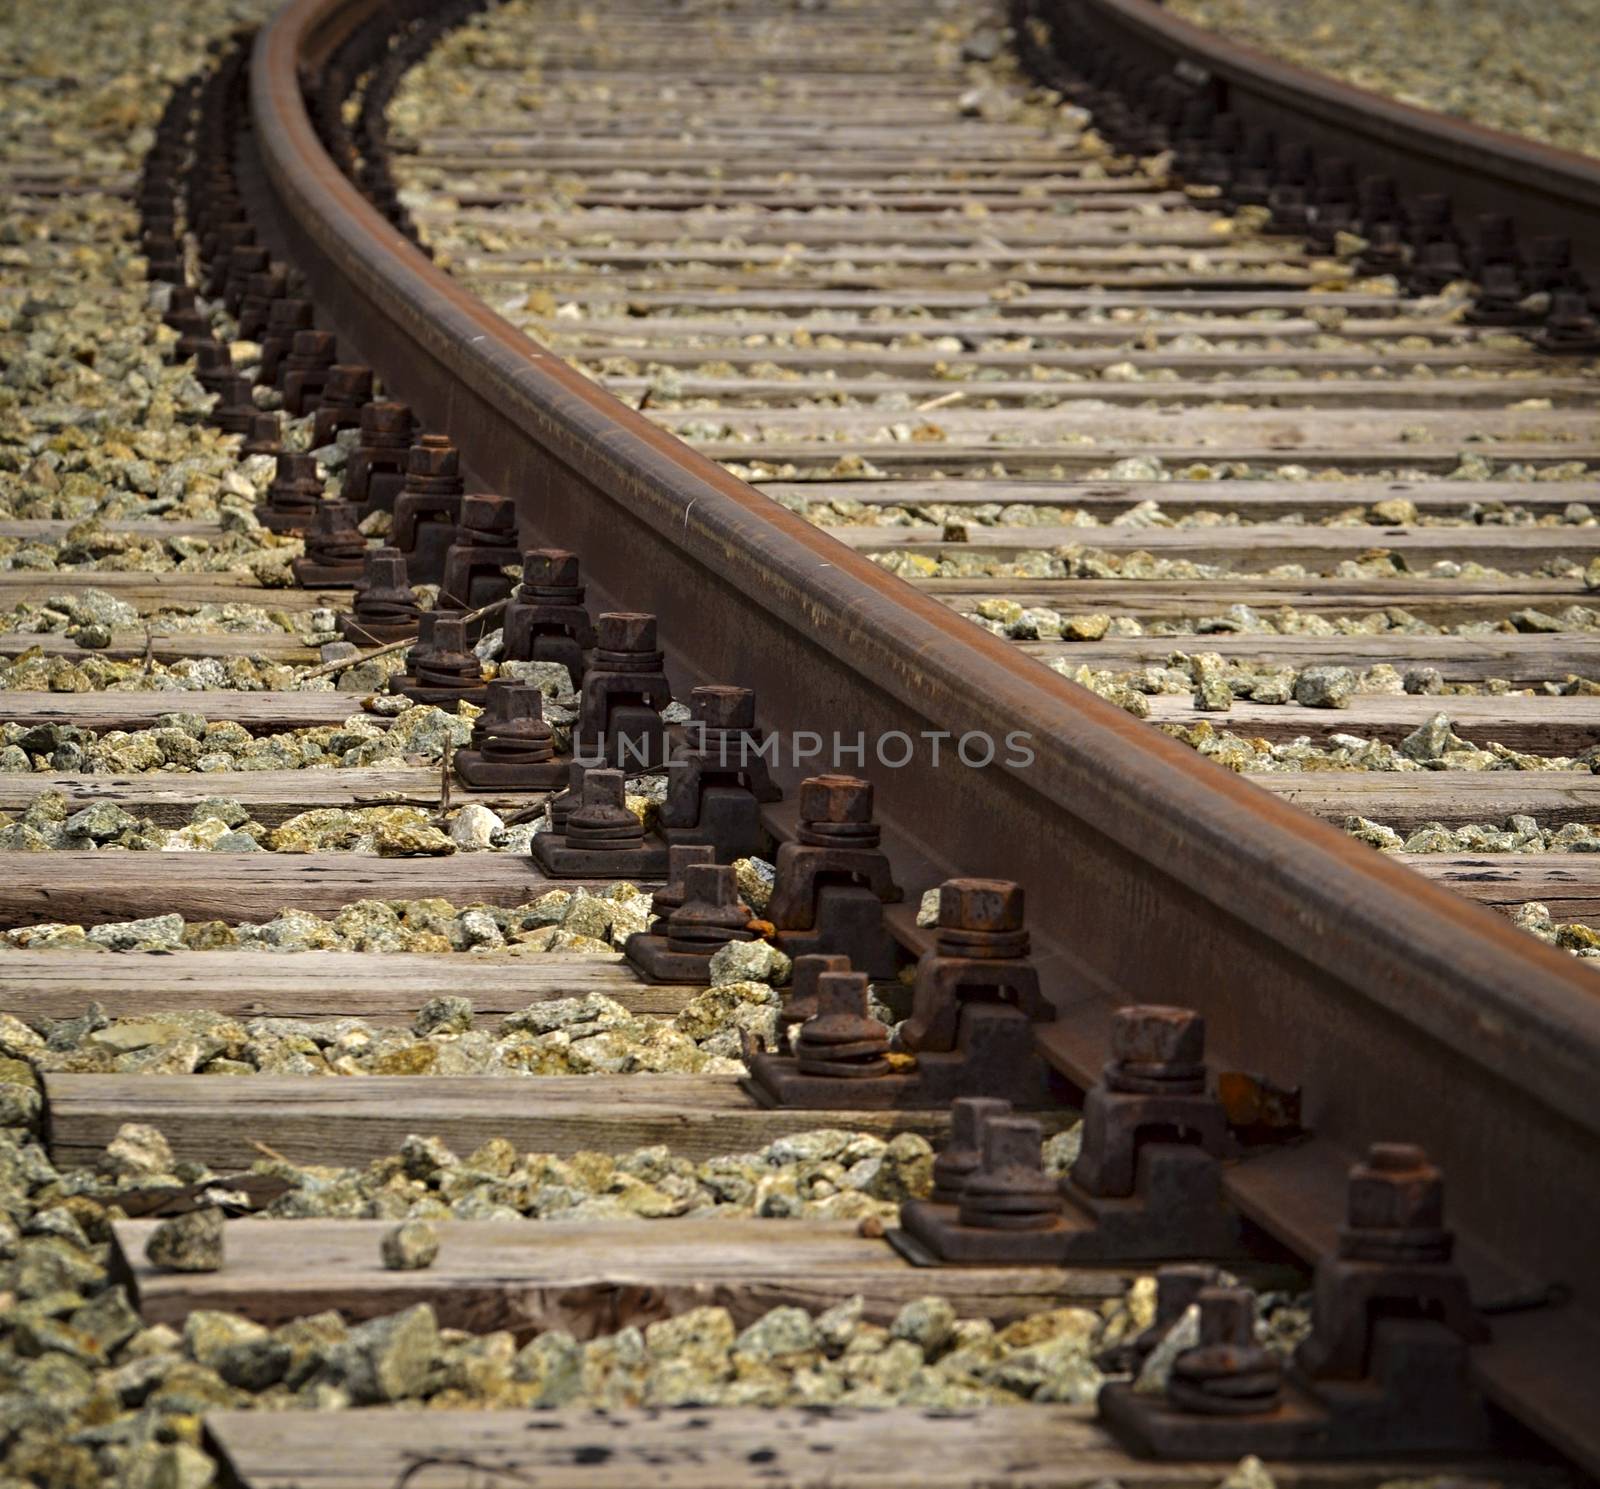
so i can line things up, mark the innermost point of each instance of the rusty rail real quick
(1546, 189)
(1402, 1011)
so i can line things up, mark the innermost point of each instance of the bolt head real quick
(835, 798)
(433, 456)
(604, 788)
(385, 417)
(485, 513)
(1227, 1315)
(523, 700)
(1012, 1142)
(807, 970)
(296, 467)
(721, 707)
(711, 884)
(550, 568)
(384, 571)
(682, 856)
(350, 382)
(627, 630)
(1395, 1188)
(287, 315)
(314, 344)
(334, 517)
(450, 633)
(969, 1113)
(980, 905)
(842, 993)
(1155, 1034)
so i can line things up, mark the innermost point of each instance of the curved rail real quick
(1546, 189)
(1401, 1010)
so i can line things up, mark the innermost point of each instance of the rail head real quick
(1402, 1009)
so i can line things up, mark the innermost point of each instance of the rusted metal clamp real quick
(1147, 1182)
(443, 670)
(1384, 1370)
(425, 511)
(346, 391)
(800, 997)
(667, 899)
(624, 691)
(601, 838)
(977, 998)
(483, 546)
(377, 469)
(385, 609)
(336, 551)
(285, 320)
(235, 411)
(261, 290)
(513, 748)
(242, 264)
(293, 497)
(838, 1057)
(833, 881)
(710, 916)
(717, 779)
(304, 373)
(546, 620)
(265, 436)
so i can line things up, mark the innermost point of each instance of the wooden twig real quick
(328, 668)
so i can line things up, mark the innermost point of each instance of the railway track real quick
(877, 380)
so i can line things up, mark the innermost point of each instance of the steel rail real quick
(1402, 1011)
(1547, 190)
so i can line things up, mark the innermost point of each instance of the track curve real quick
(1398, 1008)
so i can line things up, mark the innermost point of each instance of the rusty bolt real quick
(627, 631)
(717, 706)
(433, 456)
(348, 382)
(550, 568)
(1156, 1034)
(710, 884)
(483, 512)
(1179, 1285)
(1227, 1315)
(1011, 1143)
(835, 798)
(384, 417)
(287, 316)
(961, 1154)
(980, 905)
(605, 788)
(296, 468)
(385, 570)
(681, 857)
(1395, 1188)
(844, 1013)
(449, 634)
(264, 438)
(314, 346)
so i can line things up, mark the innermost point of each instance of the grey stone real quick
(187, 1243)
(410, 1247)
(1324, 687)
(388, 1359)
(449, 1014)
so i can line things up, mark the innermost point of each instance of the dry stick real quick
(382, 651)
